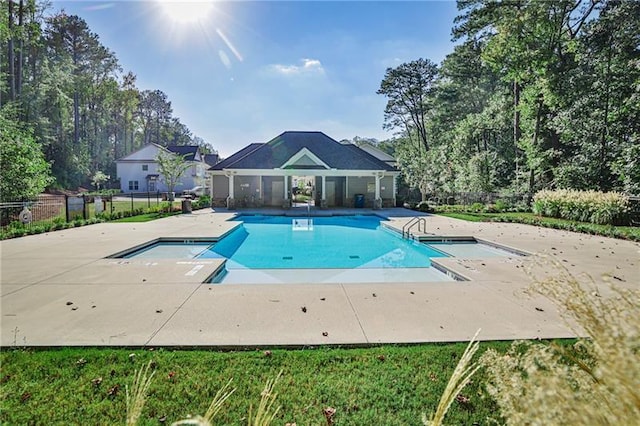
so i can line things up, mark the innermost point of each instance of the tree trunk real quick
(536, 135)
(20, 48)
(11, 56)
(516, 125)
(603, 184)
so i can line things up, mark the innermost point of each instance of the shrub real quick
(501, 206)
(476, 207)
(423, 206)
(604, 208)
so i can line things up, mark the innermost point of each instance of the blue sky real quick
(246, 71)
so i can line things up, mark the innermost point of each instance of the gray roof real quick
(189, 152)
(211, 159)
(275, 153)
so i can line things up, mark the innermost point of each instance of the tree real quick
(98, 179)
(408, 88)
(24, 172)
(171, 166)
(154, 111)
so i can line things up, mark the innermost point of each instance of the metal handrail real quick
(406, 229)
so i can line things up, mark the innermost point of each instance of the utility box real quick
(186, 206)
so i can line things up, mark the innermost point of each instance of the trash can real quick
(358, 201)
(186, 206)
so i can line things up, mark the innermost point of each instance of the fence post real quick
(132, 203)
(66, 208)
(84, 207)
(148, 200)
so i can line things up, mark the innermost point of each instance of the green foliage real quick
(423, 206)
(462, 212)
(584, 206)
(24, 172)
(84, 112)
(202, 202)
(536, 95)
(476, 207)
(385, 385)
(171, 167)
(407, 88)
(98, 179)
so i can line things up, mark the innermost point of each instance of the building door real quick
(331, 193)
(277, 192)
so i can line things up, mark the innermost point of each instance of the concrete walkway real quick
(60, 289)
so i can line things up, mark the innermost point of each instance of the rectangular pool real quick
(338, 242)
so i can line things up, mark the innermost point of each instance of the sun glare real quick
(186, 12)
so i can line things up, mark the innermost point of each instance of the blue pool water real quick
(339, 242)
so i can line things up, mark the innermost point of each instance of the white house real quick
(138, 171)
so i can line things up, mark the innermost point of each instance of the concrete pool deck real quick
(59, 289)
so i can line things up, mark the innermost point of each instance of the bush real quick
(423, 206)
(476, 207)
(202, 202)
(501, 206)
(604, 208)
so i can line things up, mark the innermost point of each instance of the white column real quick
(395, 189)
(347, 188)
(260, 194)
(231, 186)
(324, 187)
(378, 178)
(286, 187)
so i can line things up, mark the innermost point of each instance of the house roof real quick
(148, 152)
(189, 152)
(211, 159)
(234, 158)
(277, 152)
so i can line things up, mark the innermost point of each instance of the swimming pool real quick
(338, 242)
(337, 249)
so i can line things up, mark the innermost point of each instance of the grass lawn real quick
(625, 232)
(147, 217)
(387, 385)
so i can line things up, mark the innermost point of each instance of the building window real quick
(145, 167)
(133, 185)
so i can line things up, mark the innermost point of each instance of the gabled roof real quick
(189, 152)
(277, 153)
(146, 153)
(236, 156)
(149, 152)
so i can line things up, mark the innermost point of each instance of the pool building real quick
(342, 174)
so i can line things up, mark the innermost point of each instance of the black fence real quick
(469, 198)
(50, 209)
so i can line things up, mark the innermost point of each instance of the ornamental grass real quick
(597, 382)
(604, 208)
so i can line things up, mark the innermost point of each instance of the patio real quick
(59, 289)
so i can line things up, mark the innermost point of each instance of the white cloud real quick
(306, 66)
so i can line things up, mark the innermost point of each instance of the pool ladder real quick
(416, 221)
